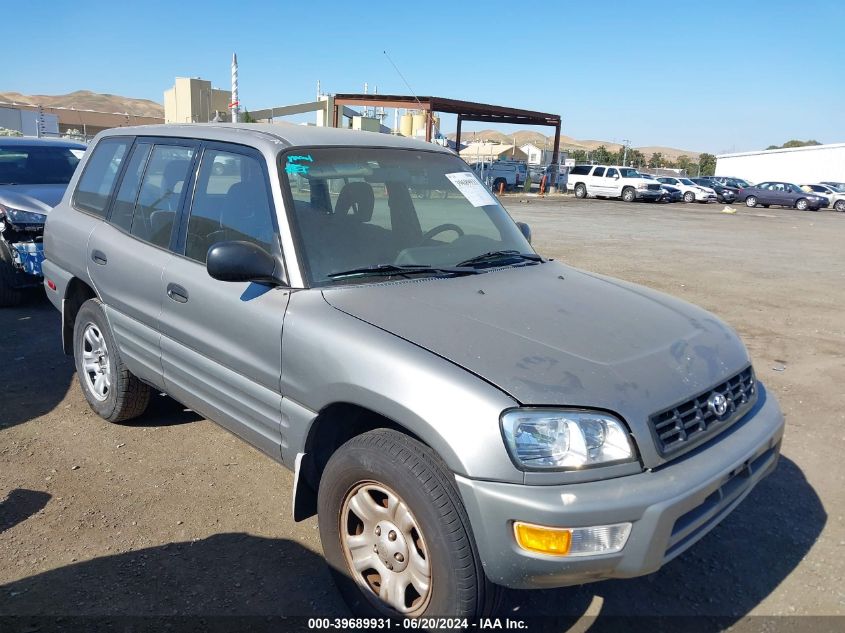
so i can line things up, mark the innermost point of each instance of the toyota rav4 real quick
(460, 412)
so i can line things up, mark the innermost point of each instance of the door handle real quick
(177, 293)
(99, 257)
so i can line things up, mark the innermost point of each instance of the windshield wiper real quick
(496, 256)
(394, 269)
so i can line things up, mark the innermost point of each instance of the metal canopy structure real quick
(466, 111)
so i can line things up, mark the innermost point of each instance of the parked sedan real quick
(691, 191)
(836, 195)
(784, 194)
(724, 193)
(34, 173)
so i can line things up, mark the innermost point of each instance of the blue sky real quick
(711, 76)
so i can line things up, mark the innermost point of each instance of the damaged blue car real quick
(34, 173)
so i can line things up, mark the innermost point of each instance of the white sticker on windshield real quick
(471, 188)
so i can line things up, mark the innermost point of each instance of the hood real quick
(553, 335)
(35, 198)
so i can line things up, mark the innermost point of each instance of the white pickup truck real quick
(612, 181)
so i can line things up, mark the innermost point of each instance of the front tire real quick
(801, 204)
(689, 196)
(395, 533)
(839, 206)
(628, 194)
(110, 389)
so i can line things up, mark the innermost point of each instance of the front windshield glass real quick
(37, 165)
(687, 181)
(360, 207)
(628, 173)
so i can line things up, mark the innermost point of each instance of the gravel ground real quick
(171, 515)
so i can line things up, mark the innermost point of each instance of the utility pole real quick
(625, 143)
(235, 105)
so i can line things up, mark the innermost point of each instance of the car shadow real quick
(164, 411)
(716, 582)
(230, 574)
(36, 373)
(19, 505)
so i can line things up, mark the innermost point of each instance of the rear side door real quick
(221, 345)
(595, 182)
(128, 253)
(612, 182)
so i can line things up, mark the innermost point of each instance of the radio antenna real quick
(399, 72)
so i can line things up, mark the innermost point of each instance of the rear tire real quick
(628, 194)
(111, 390)
(689, 196)
(9, 295)
(388, 503)
(751, 201)
(580, 190)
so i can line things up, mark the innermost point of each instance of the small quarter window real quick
(95, 186)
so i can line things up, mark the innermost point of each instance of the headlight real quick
(548, 439)
(16, 216)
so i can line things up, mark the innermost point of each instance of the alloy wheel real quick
(96, 365)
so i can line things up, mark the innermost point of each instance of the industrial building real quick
(193, 100)
(488, 152)
(35, 120)
(813, 163)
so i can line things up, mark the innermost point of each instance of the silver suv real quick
(461, 413)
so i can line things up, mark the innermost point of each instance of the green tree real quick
(246, 117)
(794, 143)
(656, 160)
(707, 163)
(601, 155)
(684, 163)
(578, 155)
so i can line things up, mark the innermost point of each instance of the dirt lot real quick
(172, 515)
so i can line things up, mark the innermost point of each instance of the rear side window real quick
(168, 169)
(231, 203)
(579, 170)
(599, 172)
(97, 181)
(127, 194)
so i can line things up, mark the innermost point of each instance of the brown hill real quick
(87, 100)
(566, 142)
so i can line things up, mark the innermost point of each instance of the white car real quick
(836, 195)
(612, 181)
(691, 191)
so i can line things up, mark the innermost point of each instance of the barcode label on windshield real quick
(471, 188)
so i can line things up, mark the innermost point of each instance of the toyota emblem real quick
(718, 404)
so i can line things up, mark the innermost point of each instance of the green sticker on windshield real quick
(294, 165)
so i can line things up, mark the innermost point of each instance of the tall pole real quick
(235, 105)
(625, 151)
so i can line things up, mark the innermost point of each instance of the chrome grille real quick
(654, 187)
(690, 422)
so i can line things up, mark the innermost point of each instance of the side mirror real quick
(525, 230)
(242, 261)
(616, 176)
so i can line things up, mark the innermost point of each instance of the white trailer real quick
(813, 163)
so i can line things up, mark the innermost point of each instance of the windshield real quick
(37, 164)
(686, 181)
(360, 207)
(628, 173)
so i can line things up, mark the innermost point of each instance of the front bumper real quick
(670, 507)
(648, 194)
